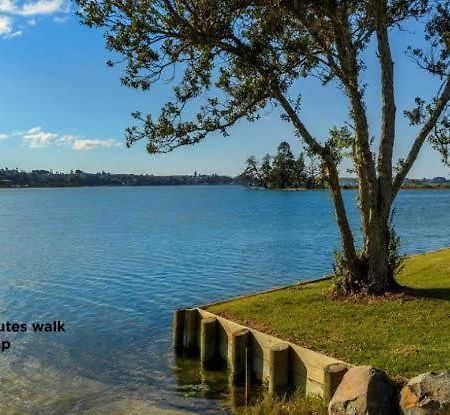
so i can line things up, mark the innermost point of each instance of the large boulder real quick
(364, 390)
(427, 394)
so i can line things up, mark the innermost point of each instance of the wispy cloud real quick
(37, 138)
(15, 13)
(6, 28)
(3, 136)
(33, 8)
(85, 144)
(61, 19)
(5, 25)
(7, 6)
(41, 7)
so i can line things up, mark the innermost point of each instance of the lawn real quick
(405, 334)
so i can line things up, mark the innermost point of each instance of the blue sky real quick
(62, 108)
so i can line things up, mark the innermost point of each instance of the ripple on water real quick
(114, 262)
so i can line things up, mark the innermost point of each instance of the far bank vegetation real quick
(283, 171)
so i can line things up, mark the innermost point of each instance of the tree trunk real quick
(341, 216)
(371, 271)
(379, 254)
(376, 255)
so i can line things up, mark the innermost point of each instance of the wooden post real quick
(233, 393)
(208, 341)
(279, 379)
(238, 341)
(191, 331)
(333, 376)
(178, 329)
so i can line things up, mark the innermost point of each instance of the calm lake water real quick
(113, 263)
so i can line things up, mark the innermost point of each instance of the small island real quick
(284, 172)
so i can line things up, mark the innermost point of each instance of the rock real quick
(426, 394)
(364, 390)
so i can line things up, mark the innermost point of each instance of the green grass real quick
(403, 334)
(297, 405)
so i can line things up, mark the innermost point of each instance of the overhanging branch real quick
(442, 101)
(313, 144)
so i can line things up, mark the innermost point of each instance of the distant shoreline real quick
(18, 179)
(348, 187)
(111, 186)
(78, 178)
(345, 187)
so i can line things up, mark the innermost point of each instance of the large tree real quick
(283, 166)
(253, 175)
(238, 56)
(299, 176)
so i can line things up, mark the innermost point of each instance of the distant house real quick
(41, 172)
(348, 181)
(439, 179)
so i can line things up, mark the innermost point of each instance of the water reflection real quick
(195, 381)
(34, 389)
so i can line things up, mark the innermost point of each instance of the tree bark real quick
(364, 163)
(387, 138)
(341, 216)
(379, 276)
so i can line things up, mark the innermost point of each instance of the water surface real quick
(113, 263)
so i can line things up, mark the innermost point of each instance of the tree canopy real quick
(283, 171)
(237, 56)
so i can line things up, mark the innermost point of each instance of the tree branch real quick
(341, 215)
(333, 179)
(367, 187)
(350, 79)
(441, 103)
(388, 103)
(313, 144)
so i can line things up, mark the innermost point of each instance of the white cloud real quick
(3, 136)
(33, 8)
(5, 25)
(41, 7)
(23, 13)
(61, 19)
(7, 6)
(84, 144)
(6, 28)
(37, 138)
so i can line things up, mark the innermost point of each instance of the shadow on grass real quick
(428, 293)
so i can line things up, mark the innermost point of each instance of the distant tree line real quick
(44, 178)
(283, 171)
(277, 172)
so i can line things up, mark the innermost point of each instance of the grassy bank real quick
(406, 334)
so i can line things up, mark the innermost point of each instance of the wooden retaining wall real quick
(256, 356)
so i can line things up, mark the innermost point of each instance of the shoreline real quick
(287, 190)
(325, 277)
(276, 312)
